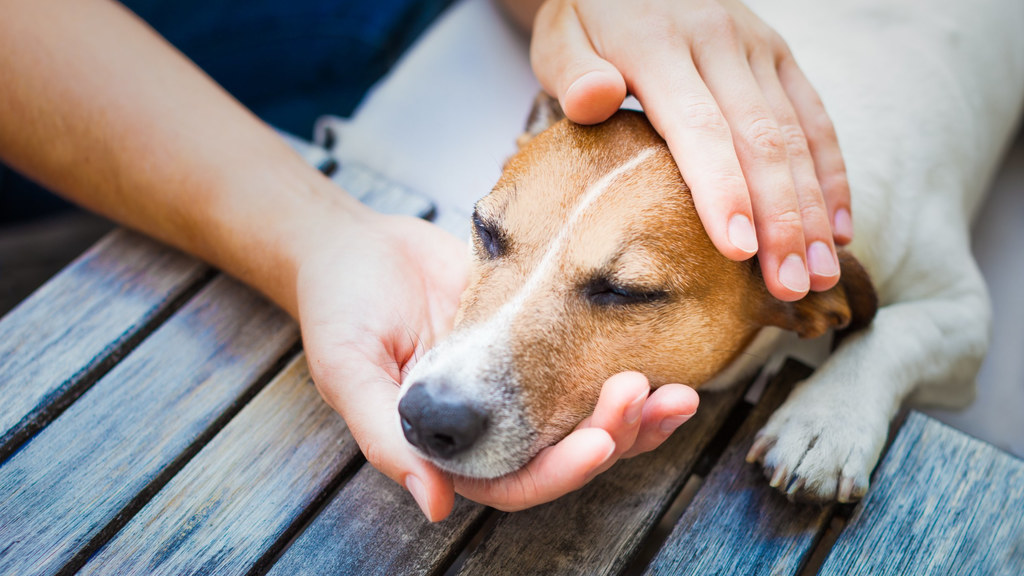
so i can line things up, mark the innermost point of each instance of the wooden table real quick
(156, 417)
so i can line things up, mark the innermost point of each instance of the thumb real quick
(588, 87)
(367, 400)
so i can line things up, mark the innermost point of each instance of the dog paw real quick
(817, 454)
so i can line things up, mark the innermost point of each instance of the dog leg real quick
(823, 442)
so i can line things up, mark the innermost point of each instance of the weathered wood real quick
(237, 499)
(373, 526)
(33, 252)
(81, 478)
(941, 503)
(597, 530)
(737, 523)
(55, 344)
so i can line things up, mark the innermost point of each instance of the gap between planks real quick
(63, 395)
(136, 504)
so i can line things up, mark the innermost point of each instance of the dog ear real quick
(546, 111)
(850, 305)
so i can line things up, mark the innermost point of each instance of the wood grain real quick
(55, 344)
(76, 482)
(238, 498)
(597, 530)
(373, 526)
(737, 523)
(941, 503)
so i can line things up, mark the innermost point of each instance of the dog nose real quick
(439, 422)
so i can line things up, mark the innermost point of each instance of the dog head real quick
(589, 259)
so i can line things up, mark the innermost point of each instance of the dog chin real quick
(484, 463)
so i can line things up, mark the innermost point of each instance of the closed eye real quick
(489, 236)
(604, 292)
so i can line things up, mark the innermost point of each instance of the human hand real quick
(629, 419)
(374, 299)
(748, 131)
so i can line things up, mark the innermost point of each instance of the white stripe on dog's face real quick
(475, 362)
(547, 262)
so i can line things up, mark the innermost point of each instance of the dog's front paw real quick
(819, 451)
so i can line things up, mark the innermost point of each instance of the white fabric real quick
(444, 121)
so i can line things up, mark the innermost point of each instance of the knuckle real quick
(778, 44)
(786, 220)
(704, 115)
(814, 213)
(819, 124)
(836, 185)
(717, 20)
(763, 40)
(765, 140)
(795, 139)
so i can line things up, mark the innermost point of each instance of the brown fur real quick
(643, 232)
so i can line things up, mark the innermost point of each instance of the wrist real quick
(269, 225)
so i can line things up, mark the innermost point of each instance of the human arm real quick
(99, 108)
(750, 135)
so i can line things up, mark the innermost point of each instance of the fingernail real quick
(635, 409)
(741, 233)
(419, 494)
(669, 424)
(793, 274)
(842, 224)
(821, 261)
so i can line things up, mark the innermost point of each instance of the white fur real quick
(923, 95)
(543, 270)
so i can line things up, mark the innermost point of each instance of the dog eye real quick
(490, 238)
(605, 293)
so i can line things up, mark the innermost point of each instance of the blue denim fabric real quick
(287, 61)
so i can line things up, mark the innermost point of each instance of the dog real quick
(589, 259)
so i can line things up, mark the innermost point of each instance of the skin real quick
(124, 125)
(747, 129)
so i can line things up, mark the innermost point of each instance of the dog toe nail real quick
(757, 449)
(845, 489)
(781, 473)
(795, 485)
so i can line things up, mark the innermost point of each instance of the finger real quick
(764, 160)
(824, 147)
(554, 472)
(588, 87)
(685, 113)
(620, 407)
(619, 412)
(822, 263)
(367, 399)
(668, 408)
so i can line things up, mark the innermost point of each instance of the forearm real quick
(97, 107)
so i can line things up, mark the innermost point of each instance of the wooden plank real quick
(236, 500)
(33, 252)
(74, 484)
(55, 344)
(737, 523)
(373, 526)
(597, 530)
(941, 503)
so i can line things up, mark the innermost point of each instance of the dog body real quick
(590, 260)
